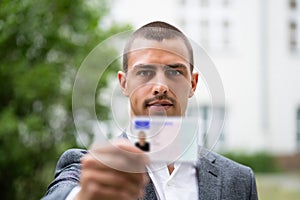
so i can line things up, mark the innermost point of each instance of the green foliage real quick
(42, 44)
(259, 161)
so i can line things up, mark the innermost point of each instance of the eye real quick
(145, 73)
(173, 72)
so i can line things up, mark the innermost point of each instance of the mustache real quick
(159, 97)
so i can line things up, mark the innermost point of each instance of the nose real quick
(159, 89)
(160, 86)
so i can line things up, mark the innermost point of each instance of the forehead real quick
(166, 51)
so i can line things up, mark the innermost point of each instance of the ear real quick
(194, 83)
(123, 82)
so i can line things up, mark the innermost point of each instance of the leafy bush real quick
(259, 161)
(42, 45)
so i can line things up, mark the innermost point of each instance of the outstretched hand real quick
(113, 172)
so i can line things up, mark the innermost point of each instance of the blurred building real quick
(255, 46)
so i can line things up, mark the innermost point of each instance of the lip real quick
(159, 105)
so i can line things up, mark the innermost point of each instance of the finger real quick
(90, 164)
(111, 180)
(92, 190)
(118, 162)
(123, 144)
(123, 157)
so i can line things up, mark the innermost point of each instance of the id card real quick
(166, 139)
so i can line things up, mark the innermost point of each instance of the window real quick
(226, 34)
(204, 34)
(204, 124)
(204, 3)
(226, 3)
(293, 36)
(293, 26)
(209, 139)
(298, 130)
(293, 4)
(217, 25)
(182, 2)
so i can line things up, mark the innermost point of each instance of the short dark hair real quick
(157, 31)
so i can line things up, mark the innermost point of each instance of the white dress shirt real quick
(181, 184)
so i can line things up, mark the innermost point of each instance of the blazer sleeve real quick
(253, 193)
(66, 176)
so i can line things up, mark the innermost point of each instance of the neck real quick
(171, 168)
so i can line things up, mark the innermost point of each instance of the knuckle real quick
(121, 181)
(86, 159)
(86, 177)
(93, 190)
(125, 195)
(89, 161)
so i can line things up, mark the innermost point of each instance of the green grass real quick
(278, 186)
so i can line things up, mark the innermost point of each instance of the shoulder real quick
(229, 164)
(66, 176)
(229, 170)
(229, 167)
(69, 157)
(234, 175)
(237, 181)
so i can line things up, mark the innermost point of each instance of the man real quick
(142, 143)
(158, 79)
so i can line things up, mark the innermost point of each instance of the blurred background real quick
(254, 45)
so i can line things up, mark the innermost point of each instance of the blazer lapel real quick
(150, 193)
(209, 177)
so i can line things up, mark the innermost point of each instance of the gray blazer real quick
(218, 178)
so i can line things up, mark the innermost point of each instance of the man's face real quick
(159, 79)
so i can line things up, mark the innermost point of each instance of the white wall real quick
(139, 12)
(284, 82)
(261, 78)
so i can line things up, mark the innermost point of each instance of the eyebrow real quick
(176, 65)
(144, 66)
(153, 66)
